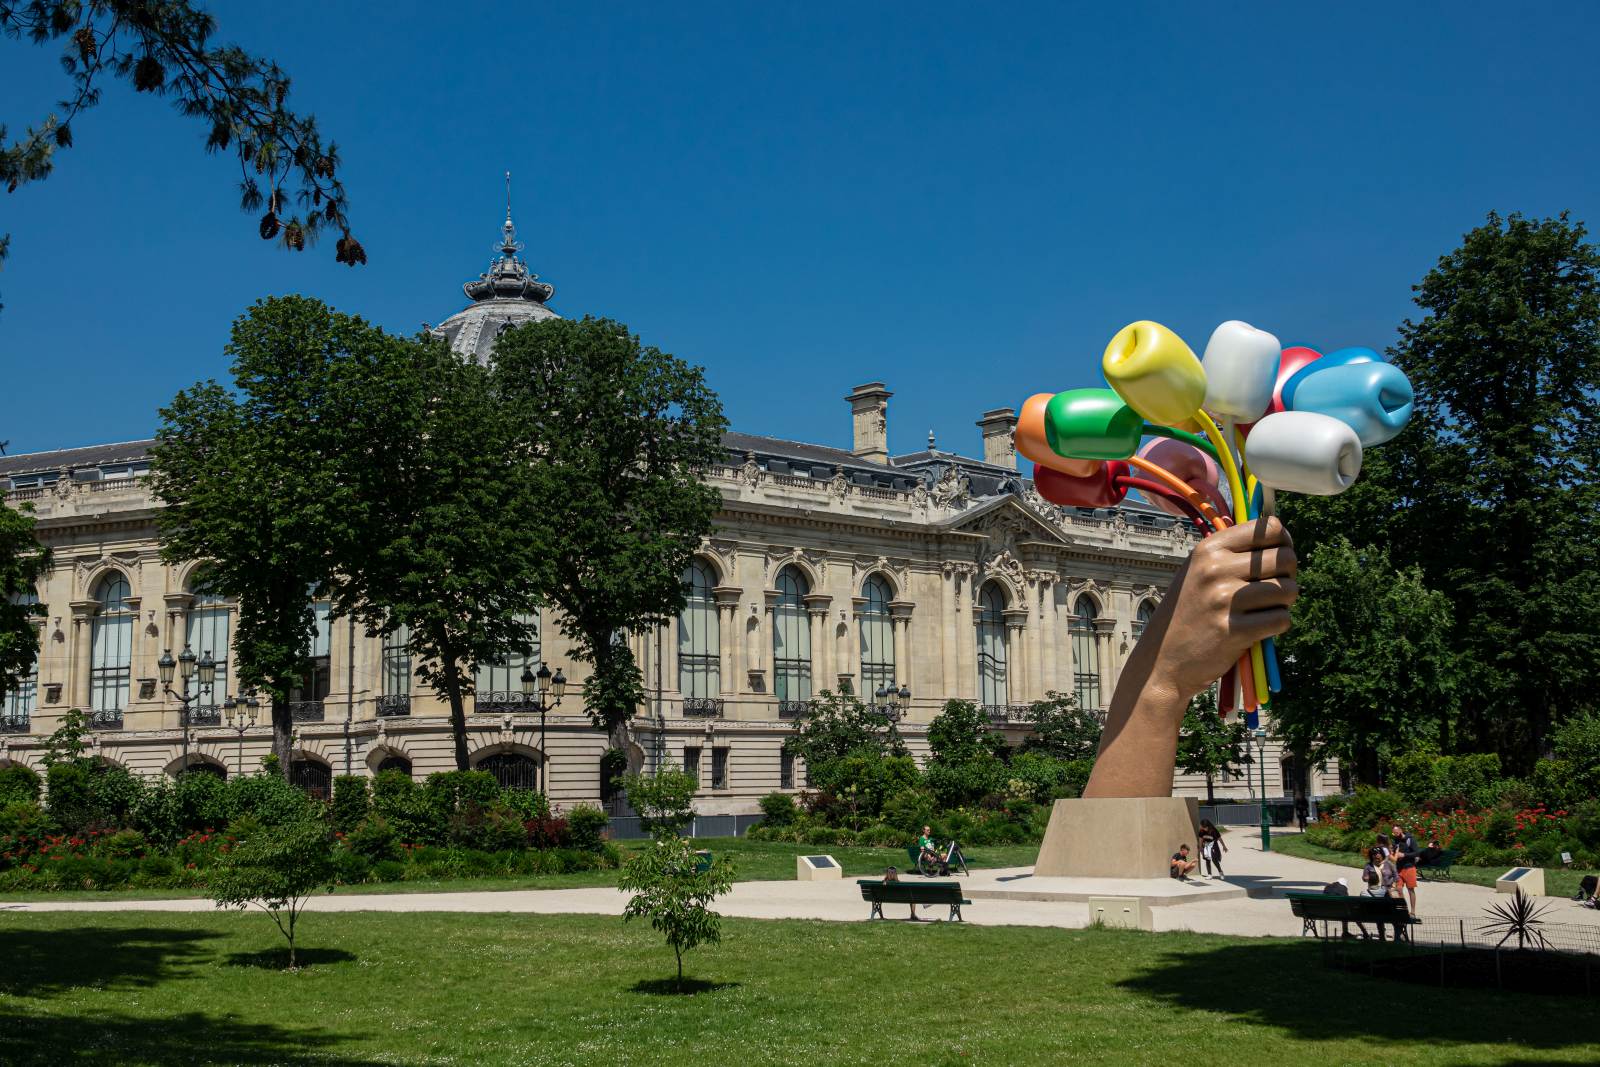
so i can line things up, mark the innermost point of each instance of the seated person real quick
(1429, 857)
(926, 846)
(1182, 865)
(1587, 889)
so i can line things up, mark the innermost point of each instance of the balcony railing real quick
(205, 715)
(392, 704)
(106, 719)
(1000, 714)
(305, 711)
(793, 709)
(702, 707)
(14, 724)
(507, 701)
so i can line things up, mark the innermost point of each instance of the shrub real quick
(277, 872)
(1373, 809)
(68, 800)
(351, 802)
(548, 831)
(908, 810)
(587, 826)
(664, 800)
(18, 783)
(779, 809)
(374, 840)
(388, 871)
(674, 895)
(123, 845)
(22, 819)
(268, 798)
(527, 803)
(350, 868)
(201, 800)
(955, 785)
(451, 793)
(397, 799)
(496, 829)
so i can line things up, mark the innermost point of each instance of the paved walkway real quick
(1265, 875)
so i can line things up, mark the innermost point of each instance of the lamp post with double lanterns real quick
(543, 691)
(1261, 758)
(891, 702)
(240, 715)
(186, 666)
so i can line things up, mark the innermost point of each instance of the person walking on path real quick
(1404, 851)
(1302, 811)
(1211, 847)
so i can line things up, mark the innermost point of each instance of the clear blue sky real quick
(965, 202)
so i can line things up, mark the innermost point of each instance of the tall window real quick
(691, 761)
(111, 648)
(208, 631)
(318, 676)
(1085, 654)
(1141, 619)
(791, 638)
(877, 638)
(785, 770)
(397, 662)
(719, 768)
(498, 681)
(20, 698)
(699, 636)
(991, 646)
(311, 775)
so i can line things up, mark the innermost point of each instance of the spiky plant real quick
(1519, 917)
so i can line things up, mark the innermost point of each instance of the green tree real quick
(619, 434)
(253, 483)
(447, 550)
(664, 800)
(1207, 745)
(961, 732)
(1368, 665)
(671, 891)
(837, 725)
(23, 562)
(1062, 729)
(1493, 491)
(278, 872)
(165, 48)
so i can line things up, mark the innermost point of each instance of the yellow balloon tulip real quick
(1155, 373)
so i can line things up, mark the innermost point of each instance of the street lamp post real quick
(240, 715)
(891, 702)
(186, 667)
(543, 691)
(1261, 751)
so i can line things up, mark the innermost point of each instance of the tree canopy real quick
(1207, 744)
(616, 434)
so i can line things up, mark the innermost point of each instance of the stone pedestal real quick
(1117, 837)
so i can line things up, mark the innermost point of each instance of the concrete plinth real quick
(1117, 837)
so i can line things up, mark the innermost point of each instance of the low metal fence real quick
(627, 828)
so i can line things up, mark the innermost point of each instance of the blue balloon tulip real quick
(1343, 357)
(1373, 399)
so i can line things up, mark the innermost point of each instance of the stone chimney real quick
(999, 447)
(869, 416)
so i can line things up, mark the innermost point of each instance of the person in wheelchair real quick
(930, 851)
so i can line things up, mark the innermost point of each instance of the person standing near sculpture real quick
(1404, 850)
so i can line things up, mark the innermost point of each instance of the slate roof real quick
(88, 456)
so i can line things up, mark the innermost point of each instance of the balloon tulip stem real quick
(1269, 501)
(1185, 436)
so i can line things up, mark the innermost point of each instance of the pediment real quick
(1006, 521)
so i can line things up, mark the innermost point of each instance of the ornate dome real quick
(507, 294)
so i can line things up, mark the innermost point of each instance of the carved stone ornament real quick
(920, 497)
(839, 486)
(751, 472)
(727, 556)
(64, 485)
(952, 490)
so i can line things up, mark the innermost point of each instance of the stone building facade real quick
(938, 574)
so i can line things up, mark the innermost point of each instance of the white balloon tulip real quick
(1304, 452)
(1241, 364)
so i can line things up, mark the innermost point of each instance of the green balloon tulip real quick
(1092, 424)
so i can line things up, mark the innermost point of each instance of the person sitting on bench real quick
(1587, 889)
(1429, 857)
(1182, 865)
(891, 876)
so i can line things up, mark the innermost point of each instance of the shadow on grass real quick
(1284, 986)
(277, 959)
(42, 963)
(670, 987)
(169, 1039)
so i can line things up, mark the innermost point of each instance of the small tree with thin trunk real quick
(671, 891)
(277, 871)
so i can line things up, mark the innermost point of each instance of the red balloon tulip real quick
(1288, 363)
(1096, 490)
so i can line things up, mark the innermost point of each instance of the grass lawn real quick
(754, 861)
(166, 988)
(1557, 881)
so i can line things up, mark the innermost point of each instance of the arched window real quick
(397, 662)
(877, 638)
(200, 766)
(17, 708)
(111, 650)
(395, 763)
(499, 683)
(991, 646)
(1142, 617)
(312, 775)
(699, 636)
(791, 639)
(1085, 654)
(208, 631)
(512, 770)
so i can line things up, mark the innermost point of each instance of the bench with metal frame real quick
(1312, 908)
(932, 894)
(1439, 868)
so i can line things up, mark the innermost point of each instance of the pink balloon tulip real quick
(1188, 464)
(1288, 364)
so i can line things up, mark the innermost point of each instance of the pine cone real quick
(148, 75)
(85, 41)
(269, 226)
(294, 237)
(350, 251)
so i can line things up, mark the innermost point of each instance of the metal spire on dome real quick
(508, 276)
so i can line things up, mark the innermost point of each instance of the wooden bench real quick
(878, 893)
(1312, 908)
(1440, 868)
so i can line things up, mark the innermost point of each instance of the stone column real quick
(727, 637)
(1017, 688)
(817, 612)
(843, 661)
(83, 613)
(949, 605)
(1047, 634)
(900, 613)
(1103, 629)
